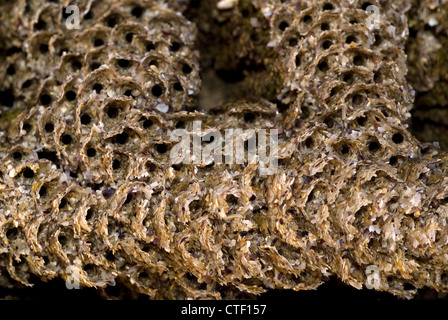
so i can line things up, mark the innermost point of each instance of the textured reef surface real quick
(88, 187)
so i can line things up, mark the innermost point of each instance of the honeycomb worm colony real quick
(86, 180)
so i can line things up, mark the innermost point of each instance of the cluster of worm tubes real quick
(88, 188)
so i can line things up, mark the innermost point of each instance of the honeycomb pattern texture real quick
(86, 179)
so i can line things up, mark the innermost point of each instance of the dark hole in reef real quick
(324, 26)
(177, 86)
(49, 127)
(98, 42)
(329, 122)
(231, 75)
(413, 32)
(209, 138)
(186, 69)
(116, 164)
(129, 37)
(231, 199)
(422, 176)
(348, 78)
(345, 149)
(128, 93)
(89, 269)
(97, 87)
(7, 98)
(42, 191)
(62, 240)
(444, 278)
(49, 155)
(350, 39)
(63, 203)
(150, 167)
(66, 139)
(176, 167)
(397, 138)
(326, 44)
(137, 11)
(283, 25)
(28, 173)
(378, 40)
(43, 48)
(408, 286)
(150, 46)
(90, 214)
(123, 63)
(129, 198)
(94, 65)
(76, 65)
(143, 276)
(85, 119)
(377, 77)
(298, 60)
(309, 142)
(157, 90)
(12, 233)
(26, 84)
(70, 95)
(175, 46)
(161, 147)
(17, 156)
(108, 193)
(307, 19)
(358, 60)
(88, 15)
(281, 107)
(110, 256)
(328, 6)
(180, 124)
(293, 42)
(393, 161)
(306, 113)
(374, 146)
(249, 117)
(365, 5)
(66, 13)
(45, 99)
(153, 63)
(357, 99)
(11, 70)
(361, 120)
(121, 138)
(245, 13)
(91, 152)
(334, 91)
(112, 112)
(27, 127)
(323, 66)
(13, 50)
(111, 22)
(147, 123)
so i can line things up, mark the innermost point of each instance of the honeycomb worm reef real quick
(86, 180)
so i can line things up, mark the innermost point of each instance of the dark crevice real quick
(7, 98)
